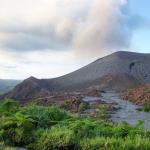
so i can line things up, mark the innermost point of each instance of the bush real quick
(67, 103)
(101, 112)
(83, 106)
(45, 117)
(49, 128)
(89, 128)
(56, 138)
(17, 130)
(8, 107)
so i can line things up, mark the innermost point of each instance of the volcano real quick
(119, 71)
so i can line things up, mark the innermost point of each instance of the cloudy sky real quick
(49, 38)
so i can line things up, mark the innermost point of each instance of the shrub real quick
(45, 117)
(20, 128)
(90, 128)
(17, 130)
(56, 138)
(8, 107)
(101, 112)
(83, 106)
(67, 103)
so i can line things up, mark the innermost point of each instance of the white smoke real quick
(89, 27)
(105, 29)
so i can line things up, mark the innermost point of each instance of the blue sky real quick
(49, 38)
(141, 38)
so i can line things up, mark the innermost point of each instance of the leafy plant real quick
(56, 138)
(45, 117)
(8, 107)
(83, 106)
(50, 128)
(101, 112)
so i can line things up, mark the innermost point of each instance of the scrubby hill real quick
(119, 71)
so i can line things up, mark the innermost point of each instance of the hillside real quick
(140, 95)
(7, 85)
(119, 71)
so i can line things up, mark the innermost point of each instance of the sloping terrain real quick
(7, 85)
(119, 71)
(140, 96)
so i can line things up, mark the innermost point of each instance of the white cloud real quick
(36, 35)
(41, 64)
(62, 24)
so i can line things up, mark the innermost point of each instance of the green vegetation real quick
(83, 106)
(101, 112)
(67, 103)
(77, 105)
(7, 148)
(145, 108)
(49, 128)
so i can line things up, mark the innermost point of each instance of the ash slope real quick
(119, 71)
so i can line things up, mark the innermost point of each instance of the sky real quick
(49, 38)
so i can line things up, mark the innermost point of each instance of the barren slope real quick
(120, 70)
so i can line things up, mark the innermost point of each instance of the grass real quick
(116, 143)
(7, 148)
(50, 128)
(2, 147)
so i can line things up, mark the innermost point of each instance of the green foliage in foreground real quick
(7, 148)
(49, 128)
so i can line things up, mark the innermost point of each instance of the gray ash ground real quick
(125, 111)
